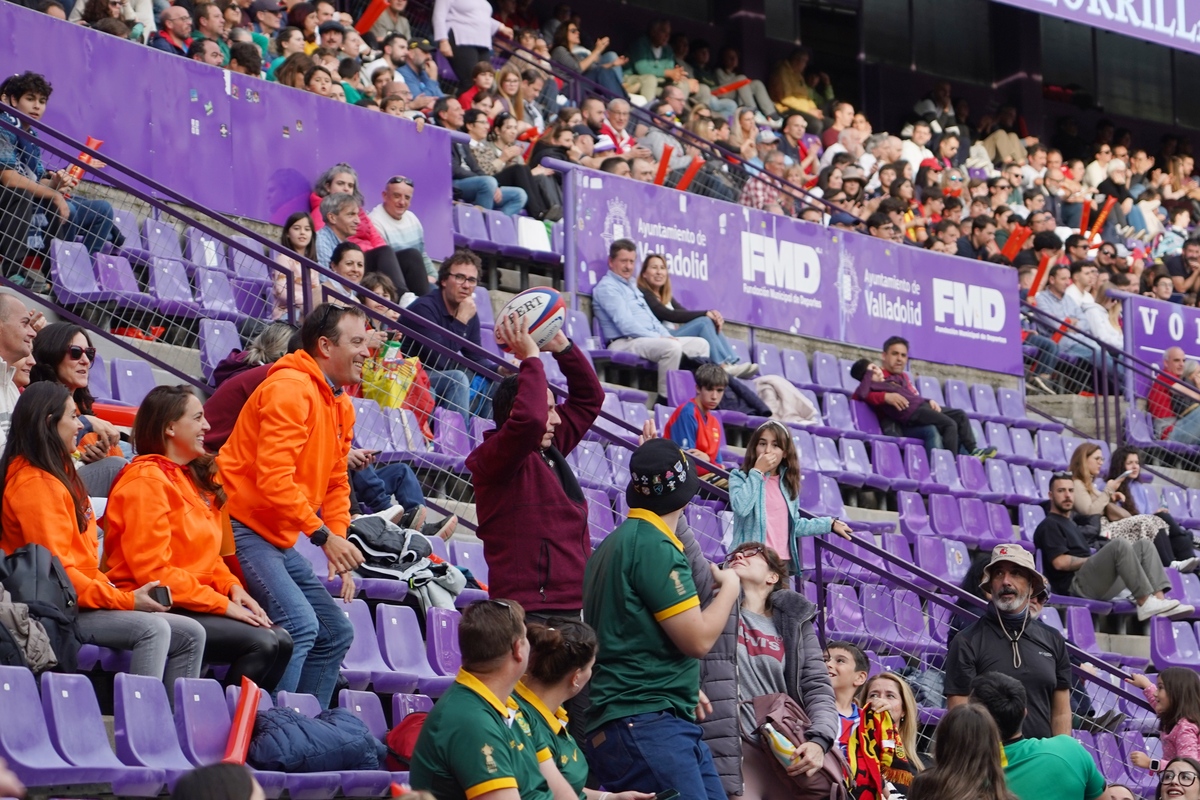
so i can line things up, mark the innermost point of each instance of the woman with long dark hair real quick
(44, 502)
(298, 236)
(1125, 466)
(163, 523)
(967, 752)
(63, 353)
(1179, 781)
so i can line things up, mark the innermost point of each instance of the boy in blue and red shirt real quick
(693, 426)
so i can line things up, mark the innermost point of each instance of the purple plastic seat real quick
(975, 481)
(917, 465)
(768, 358)
(592, 467)
(469, 555)
(855, 460)
(1193, 496)
(100, 382)
(1050, 447)
(1083, 636)
(405, 704)
(205, 251)
(827, 372)
(115, 275)
(133, 248)
(839, 417)
(168, 283)
(1031, 516)
(1000, 480)
(504, 235)
(73, 277)
(998, 437)
(601, 521)
(848, 383)
(372, 431)
(681, 387)
(1026, 486)
(132, 380)
(946, 518)
(795, 369)
(1070, 444)
(1011, 403)
(441, 641)
(25, 740)
(145, 731)
(1111, 760)
(945, 558)
(1145, 783)
(399, 636)
(233, 695)
(216, 295)
(867, 423)
(829, 462)
(806, 449)
(844, 614)
(1024, 450)
(983, 398)
(913, 636)
(251, 267)
(1172, 644)
(706, 527)
(202, 722)
(890, 466)
(1175, 499)
(218, 339)
(914, 519)
(470, 229)
(77, 731)
(634, 413)
(366, 783)
(1000, 526)
(363, 665)
(255, 300)
(930, 388)
(301, 703)
(162, 240)
(843, 569)
(897, 545)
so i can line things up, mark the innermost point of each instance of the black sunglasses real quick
(329, 309)
(75, 352)
(400, 179)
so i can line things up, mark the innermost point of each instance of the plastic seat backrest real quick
(442, 640)
(145, 730)
(202, 720)
(399, 635)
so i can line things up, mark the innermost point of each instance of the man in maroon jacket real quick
(533, 517)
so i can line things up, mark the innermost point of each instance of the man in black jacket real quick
(1008, 640)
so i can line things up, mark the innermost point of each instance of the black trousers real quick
(405, 269)
(464, 59)
(1179, 542)
(951, 423)
(261, 654)
(518, 175)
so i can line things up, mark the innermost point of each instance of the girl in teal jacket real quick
(764, 495)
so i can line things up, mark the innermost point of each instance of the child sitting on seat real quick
(693, 426)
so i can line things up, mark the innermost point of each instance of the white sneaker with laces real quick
(1154, 607)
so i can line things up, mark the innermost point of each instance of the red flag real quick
(731, 87)
(367, 21)
(1039, 277)
(661, 175)
(1109, 202)
(1087, 212)
(689, 174)
(1015, 240)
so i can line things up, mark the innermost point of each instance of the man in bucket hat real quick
(639, 595)
(1007, 639)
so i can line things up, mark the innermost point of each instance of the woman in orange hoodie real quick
(44, 502)
(163, 523)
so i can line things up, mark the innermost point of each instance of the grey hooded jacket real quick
(804, 663)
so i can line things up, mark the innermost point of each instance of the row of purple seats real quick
(1174, 644)
(124, 382)
(681, 388)
(1139, 431)
(388, 656)
(891, 620)
(397, 436)
(1182, 504)
(1112, 756)
(158, 239)
(490, 231)
(967, 519)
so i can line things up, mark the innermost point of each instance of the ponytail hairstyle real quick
(558, 648)
(164, 405)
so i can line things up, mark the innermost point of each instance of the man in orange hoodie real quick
(284, 469)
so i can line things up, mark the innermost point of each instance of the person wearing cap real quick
(640, 596)
(331, 34)
(1008, 640)
(392, 20)
(1120, 564)
(1057, 768)
(268, 16)
(420, 72)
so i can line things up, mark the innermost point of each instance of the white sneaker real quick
(1187, 564)
(744, 369)
(1154, 607)
(407, 299)
(1181, 611)
(392, 515)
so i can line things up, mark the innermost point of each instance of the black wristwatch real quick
(320, 536)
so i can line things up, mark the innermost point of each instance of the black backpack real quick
(35, 577)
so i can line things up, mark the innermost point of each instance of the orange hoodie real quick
(286, 457)
(38, 510)
(157, 527)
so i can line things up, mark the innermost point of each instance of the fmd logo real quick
(782, 265)
(965, 305)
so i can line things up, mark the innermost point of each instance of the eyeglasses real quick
(464, 279)
(1003, 186)
(75, 352)
(745, 552)
(1182, 778)
(1104, 151)
(399, 179)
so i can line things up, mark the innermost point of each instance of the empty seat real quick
(115, 275)
(132, 380)
(145, 730)
(205, 250)
(215, 295)
(218, 340)
(914, 519)
(827, 372)
(399, 636)
(441, 641)
(73, 277)
(168, 283)
(363, 665)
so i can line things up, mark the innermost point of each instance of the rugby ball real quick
(545, 309)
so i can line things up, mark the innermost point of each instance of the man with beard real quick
(1008, 640)
(1120, 564)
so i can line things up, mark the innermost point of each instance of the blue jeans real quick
(652, 753)
(284, 583)
(377, 486)
(1186, 430)
(452, 390)
(719, 349)
(927, 434)
(481, 191)
(1045, 361)
(93, 219)
(1074, 347)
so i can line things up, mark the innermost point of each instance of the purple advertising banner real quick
(775, 272)
(1152, 326)
(1174, 23)
(237, 145)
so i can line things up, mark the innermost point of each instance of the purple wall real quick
(237, 145)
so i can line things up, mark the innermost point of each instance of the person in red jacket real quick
(285, 462)
(163, 523)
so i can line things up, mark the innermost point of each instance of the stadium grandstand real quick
(871, 338)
